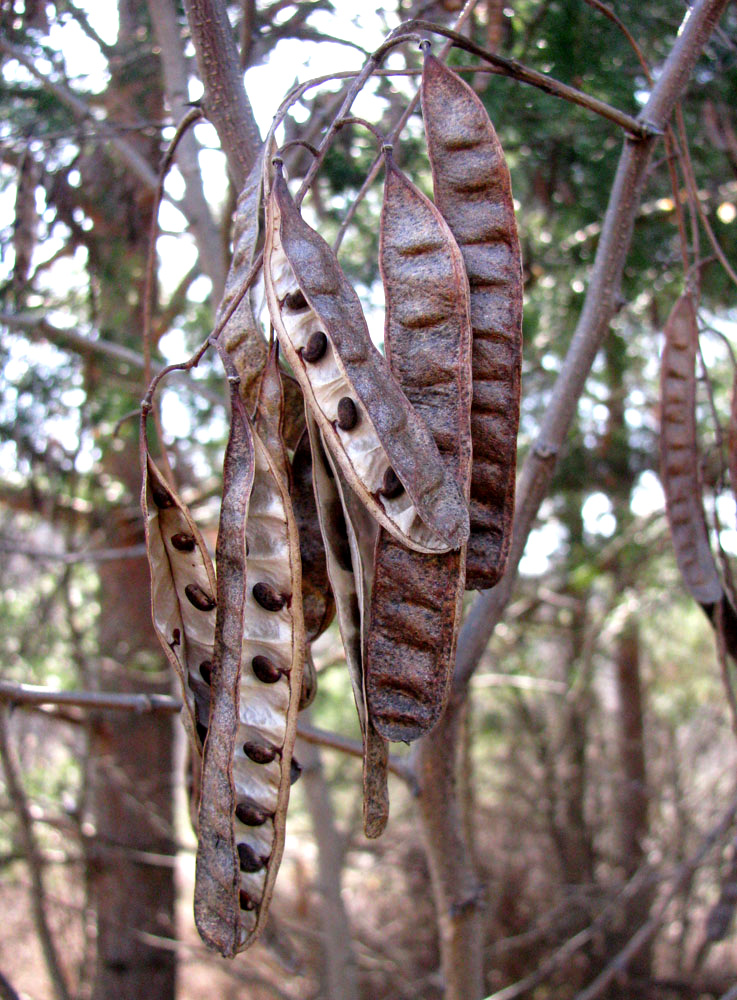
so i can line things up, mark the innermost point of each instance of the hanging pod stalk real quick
(416, 600)
(473, 193)
(369, 426)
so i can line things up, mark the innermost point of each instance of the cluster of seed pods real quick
(368, 518)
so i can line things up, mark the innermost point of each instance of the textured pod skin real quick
(417, 598)
(679, 463)
(317, 597)
(256, 691)
(473, 193)
(186, 632)
(349, 569)
(431, 514)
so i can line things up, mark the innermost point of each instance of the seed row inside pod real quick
(182, 593)
(383, 447)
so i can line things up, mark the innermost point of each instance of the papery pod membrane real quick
(368, 424)
(317, 596)
(240, 860)
(182, 592)
(679, 460)
(350, 578)
(473, 193)
(417, 598)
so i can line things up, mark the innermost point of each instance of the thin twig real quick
(15, 693)
(396, 132)
(33, 859)
(682, 877)
(70, 558)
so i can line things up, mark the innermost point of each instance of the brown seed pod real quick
(257, 681)
(185, 627)
(350, 568)
(431, 514)
(242, 336)
(317, 597)
(417, 598)
(679, 463)
(473, 193)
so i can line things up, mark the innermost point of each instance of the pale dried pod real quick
(257, 684)
(417, 598)
(183, 592)
(349, 564)
(368, 423)
(473, 192)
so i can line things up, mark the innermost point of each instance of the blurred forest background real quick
(596, 766)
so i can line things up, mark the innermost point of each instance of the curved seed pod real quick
(474, 195)
(367, 421)
(417, 598)
(242, 823)
(294, 411)
(679, 464)
(317, 597)
(309, 682)
(182, 592)
(350, 579)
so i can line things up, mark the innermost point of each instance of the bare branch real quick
(226, 103)
(33, 859)
(32, 694)
(36, 326)
(69, 558)
(682, 877)
(81, 110)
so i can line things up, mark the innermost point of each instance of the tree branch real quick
(226, 103)
(194, 205)
(37, 327)
(592, 327)
(81, 110)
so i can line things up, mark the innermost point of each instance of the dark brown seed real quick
(206, 671)
(266, 671)
(245, 902)
(201, 731)
(176, 638)
(250, 813)
(296, 301)
(295, 770)
(392, 486)
(269, 599)
(183, 542)
(259, 753)
(162, 498)
(347, 414)
(199, 598)
(250, 861)
(315, 347)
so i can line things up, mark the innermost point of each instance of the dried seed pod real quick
(182, 591)
(317, 597)
(679, 463)
(242, 336)
(417, 598)
(431, 515)
(247, 769)
(350, 568)
(473, 193)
